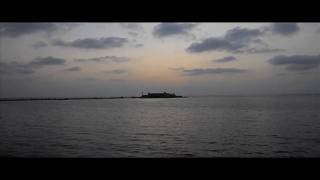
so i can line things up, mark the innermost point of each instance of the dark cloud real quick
(171, 29)
(236, 40)
(115, 59)
(296, 62)
(46, 61)
(75, 68)
(199, 71)
(225, 59)
(39, 44)
(93, 43)
(243, 35)
(284, 28)
(19, 29)
(116, 71)
(214, 44)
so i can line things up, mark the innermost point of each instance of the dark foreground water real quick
(265, 126)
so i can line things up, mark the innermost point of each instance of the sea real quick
(213, 126)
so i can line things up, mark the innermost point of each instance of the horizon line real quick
(121, 97)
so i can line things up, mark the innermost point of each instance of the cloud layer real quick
(260, 50)
(75, 68)
(19, 29)
(236, 40)
(205, 71)
(46, 61)
(213, 44)
(132, 26)
(225, 59)
(115, 59)
(244, 40)
(296, 62)
(243, 35)
(172, 29)
(93, 43)
(39, 44)
(30, 67)
(285, 29)
(116, 71)
(14, 68)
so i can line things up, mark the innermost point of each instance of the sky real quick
(126, 59)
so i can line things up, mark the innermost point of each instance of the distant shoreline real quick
(139, 97)
(79, 98)
(61, 99)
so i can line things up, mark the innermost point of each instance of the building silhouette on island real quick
(160, 95)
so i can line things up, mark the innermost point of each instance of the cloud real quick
(133, 34)
(19, 29)
(318, 31)
(114, 59)
(243, 35)
(132, 26)
(93, 43)
(39, 44)
(138, 45)
(45, 61)
(235, 40)
(199, 71)
(30, 67)
(296, 62)
(281, 74)
(116, 71)
(9, 68)
(261, 50)
(90, 79)
(176, 69)
(213, 44)
(25, 71)
(135, 30)
(135, 43)
(285, 29)
(75, 68)
(172, 29)
(225, 59)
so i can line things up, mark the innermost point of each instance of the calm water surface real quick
(230, 126)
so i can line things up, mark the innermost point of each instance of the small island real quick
(160, 95)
